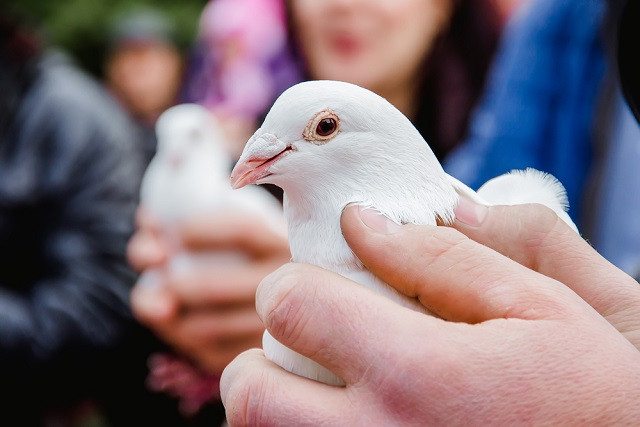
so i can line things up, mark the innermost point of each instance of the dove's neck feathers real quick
(406, 185)
(377, 159)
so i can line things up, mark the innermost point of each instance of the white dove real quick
(189, 175)
(328, 144)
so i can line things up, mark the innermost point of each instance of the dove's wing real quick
(520, 187)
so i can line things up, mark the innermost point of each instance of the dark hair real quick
(20, 48)
(454, 72)
(452, 82)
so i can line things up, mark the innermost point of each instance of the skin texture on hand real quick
(514, 344)
(536, 238)
(208, 312)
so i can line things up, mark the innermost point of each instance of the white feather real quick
(528, 186)
(376, 159)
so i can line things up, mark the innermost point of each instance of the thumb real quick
(450, 274)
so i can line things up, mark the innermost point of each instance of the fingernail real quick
(378, 222)
(469, 212)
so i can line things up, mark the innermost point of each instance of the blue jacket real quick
(539, 106)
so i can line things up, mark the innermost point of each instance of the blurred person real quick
(66, 206)
(143, 67)
(239, 64)
(535, 326)
(428, 58)
(70, 349)
(559, 108)
(251, 68)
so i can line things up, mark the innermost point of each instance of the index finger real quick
(247, 232)
(231, 285)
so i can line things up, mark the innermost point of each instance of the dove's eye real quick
(326, 126)
(322, 127)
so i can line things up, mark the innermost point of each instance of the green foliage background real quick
(81, 26)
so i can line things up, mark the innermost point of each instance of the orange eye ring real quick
(322, 127)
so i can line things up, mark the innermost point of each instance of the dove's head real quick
(333, 135)
(188, 132)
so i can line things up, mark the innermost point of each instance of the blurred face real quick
(377, 44)
(145, 77)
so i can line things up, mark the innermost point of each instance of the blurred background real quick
(83, 83)
(81, 27)
(491, 85)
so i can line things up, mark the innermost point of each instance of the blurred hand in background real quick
(207, 313)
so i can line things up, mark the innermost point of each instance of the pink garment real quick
(181, 379)
(243, 37)
(257, 27)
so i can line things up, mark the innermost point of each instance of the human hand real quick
(512, 346)
(535, 237)
(206, 313)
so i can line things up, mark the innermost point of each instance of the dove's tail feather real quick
(528, 186)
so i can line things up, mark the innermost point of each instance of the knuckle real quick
(281, 301)
(287, 319)
(542, 227)
(531, 221)
(435, 249)
(524, 232)
(446, 241)
(245, 392)
(541, 218)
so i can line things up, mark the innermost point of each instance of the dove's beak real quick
(259, 154)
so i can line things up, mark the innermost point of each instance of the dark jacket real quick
(69, 179)
(71, 162)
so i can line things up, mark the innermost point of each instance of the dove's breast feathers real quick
(411, 193)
